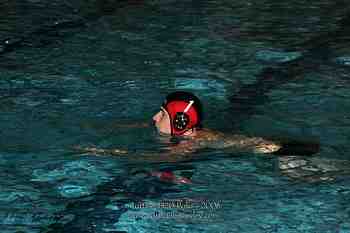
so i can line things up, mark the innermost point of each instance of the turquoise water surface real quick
(73, 71)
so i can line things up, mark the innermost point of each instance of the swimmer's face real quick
(162, 121)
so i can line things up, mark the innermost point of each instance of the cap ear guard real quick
(181, 121)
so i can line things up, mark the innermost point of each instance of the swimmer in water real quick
(180, 117)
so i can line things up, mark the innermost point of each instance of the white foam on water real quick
(276, 56)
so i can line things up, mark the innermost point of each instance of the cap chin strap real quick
(187, 132)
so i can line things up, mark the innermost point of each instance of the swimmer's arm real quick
(255, 145)
(260, 145)
(167, 155)
(99, 151)
(179, 149)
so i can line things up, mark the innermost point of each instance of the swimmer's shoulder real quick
(209, 138)
(216, 139)
(209, 134)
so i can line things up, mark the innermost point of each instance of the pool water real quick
(73, 71)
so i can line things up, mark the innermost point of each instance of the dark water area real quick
(73, 71)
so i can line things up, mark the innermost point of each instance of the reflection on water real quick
(72, 71)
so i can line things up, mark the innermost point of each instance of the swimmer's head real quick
(181, 113)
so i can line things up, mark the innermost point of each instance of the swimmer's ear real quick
(298, 148)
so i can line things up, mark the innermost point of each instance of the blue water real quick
(72, 71)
